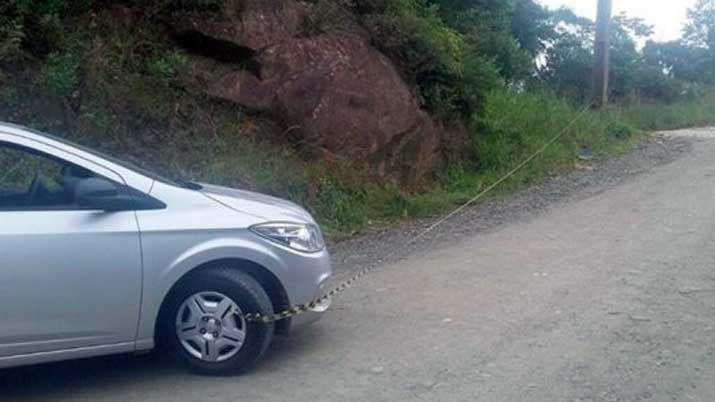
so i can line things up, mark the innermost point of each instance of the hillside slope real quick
(363, 111)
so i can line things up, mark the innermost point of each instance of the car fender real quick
(159, 284)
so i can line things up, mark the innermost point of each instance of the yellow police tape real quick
(302, 308)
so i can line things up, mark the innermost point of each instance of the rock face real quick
(344, 97)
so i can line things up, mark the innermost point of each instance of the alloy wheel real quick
(210, 326)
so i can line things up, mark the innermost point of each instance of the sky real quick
(667, 16)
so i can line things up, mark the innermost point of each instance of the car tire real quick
(247, 294)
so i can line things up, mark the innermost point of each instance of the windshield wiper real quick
(188, 184)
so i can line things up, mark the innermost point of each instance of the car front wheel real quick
(204, 322)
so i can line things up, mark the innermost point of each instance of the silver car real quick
(100, 257)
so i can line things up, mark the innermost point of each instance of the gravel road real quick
(596, 286)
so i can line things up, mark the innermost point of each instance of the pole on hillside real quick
(602, 49)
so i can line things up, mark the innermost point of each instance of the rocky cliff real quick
(331, 90)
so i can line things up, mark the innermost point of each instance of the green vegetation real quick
(510, 73)
(697, 112)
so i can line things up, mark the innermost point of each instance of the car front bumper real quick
(311, 315)
(305, 279)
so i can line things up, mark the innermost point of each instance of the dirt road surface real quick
(605, 295)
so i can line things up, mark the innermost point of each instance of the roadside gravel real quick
(379, 245)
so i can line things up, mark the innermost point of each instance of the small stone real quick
(688, 291)
(639, 318)
(585, 153)
(447, 320)
(587, 168)
(377, 369)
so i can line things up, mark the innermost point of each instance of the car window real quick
(32, 180)
(123, 163)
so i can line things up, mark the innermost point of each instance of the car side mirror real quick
(102, 194)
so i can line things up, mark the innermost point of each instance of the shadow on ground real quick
(63, 380)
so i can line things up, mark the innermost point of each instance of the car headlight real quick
(301, 237)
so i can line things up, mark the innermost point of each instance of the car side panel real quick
(68, 279)
(66, 354)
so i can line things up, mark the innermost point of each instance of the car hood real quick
(265, 207)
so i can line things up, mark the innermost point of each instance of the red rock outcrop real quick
(345, 97)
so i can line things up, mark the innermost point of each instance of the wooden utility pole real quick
(602, 48)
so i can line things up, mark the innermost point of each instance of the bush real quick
(618, 130)
(59, 73)
(688, 112)
(11, 35)
(451, 77)
(165, 67)
(34, 26)
(515, 125)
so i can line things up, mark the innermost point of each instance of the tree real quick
(699, 35)
(568, 60)
(569, 57)
(509, 32)
(691, 59)
(531, 26)
(680, 60)
(700, 29)
(627, 63)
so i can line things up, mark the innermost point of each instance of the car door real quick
(70, 276)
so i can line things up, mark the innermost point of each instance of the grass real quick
(696, 112)
(512, 127)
